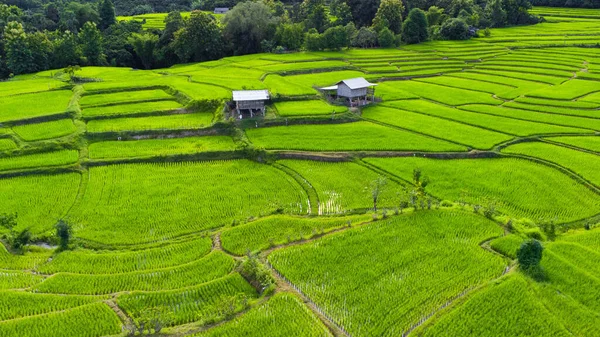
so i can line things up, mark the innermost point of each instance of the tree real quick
(51, 12)
(173, 23)
(200, 39)
(70, 71)
(41, 51)
(82, 14)
(107, 14)
(21, 239)
(19, 58)
(377, 187)
(530, 254)
(66, 50)
(317, 19)
(9, 220)
(91, 44)
(343, 15)
(365, 38)
(64, 231)
(363, 11)
(414, 29)
(455, 29)
(386, 38)
(461, 5)
(496, 13)
(314, 41)
(435, 16)
(247, 25)
(290, 36)
(144, 46)
(390, 11)
(16, 240)
(335, 38)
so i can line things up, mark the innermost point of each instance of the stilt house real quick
(252, 101)
(358, 91)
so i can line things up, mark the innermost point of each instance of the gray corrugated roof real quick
(357, 83)
(333, 87)
(251, 95)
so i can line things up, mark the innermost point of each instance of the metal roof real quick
(333, 87)
(357, 83)
(251, 95)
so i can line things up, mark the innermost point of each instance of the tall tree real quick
(199, 40)
(91, 44)
(19, 58)
(247, 25)
(435, 16)
(496, 13)
(106, 11)
(335, 38)
(144, 46)
(317, 19)
(390, 11)
(414, 29)
(290, 36)
(363, 11)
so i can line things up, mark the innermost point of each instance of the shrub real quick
(530, 254)
(414, 29)
(365, 38)
(386, 38)
(454, 29)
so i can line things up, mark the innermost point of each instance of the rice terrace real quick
(348, 168)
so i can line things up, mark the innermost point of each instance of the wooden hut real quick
(221, 10)
(251, 101)
(358, 91)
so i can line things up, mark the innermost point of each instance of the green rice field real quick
(141, 203)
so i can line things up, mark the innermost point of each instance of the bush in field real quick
(314, 41)
(386, 38)
(335, 38)
(16, 240)
(376, 188)
(290, 36)
(245, 26)
(64, 232)
(414, 29)
(529, 254)
(390, 12)
(454, 29)
(256, 273)
(365, 38)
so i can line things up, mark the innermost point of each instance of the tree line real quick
(61, 34)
